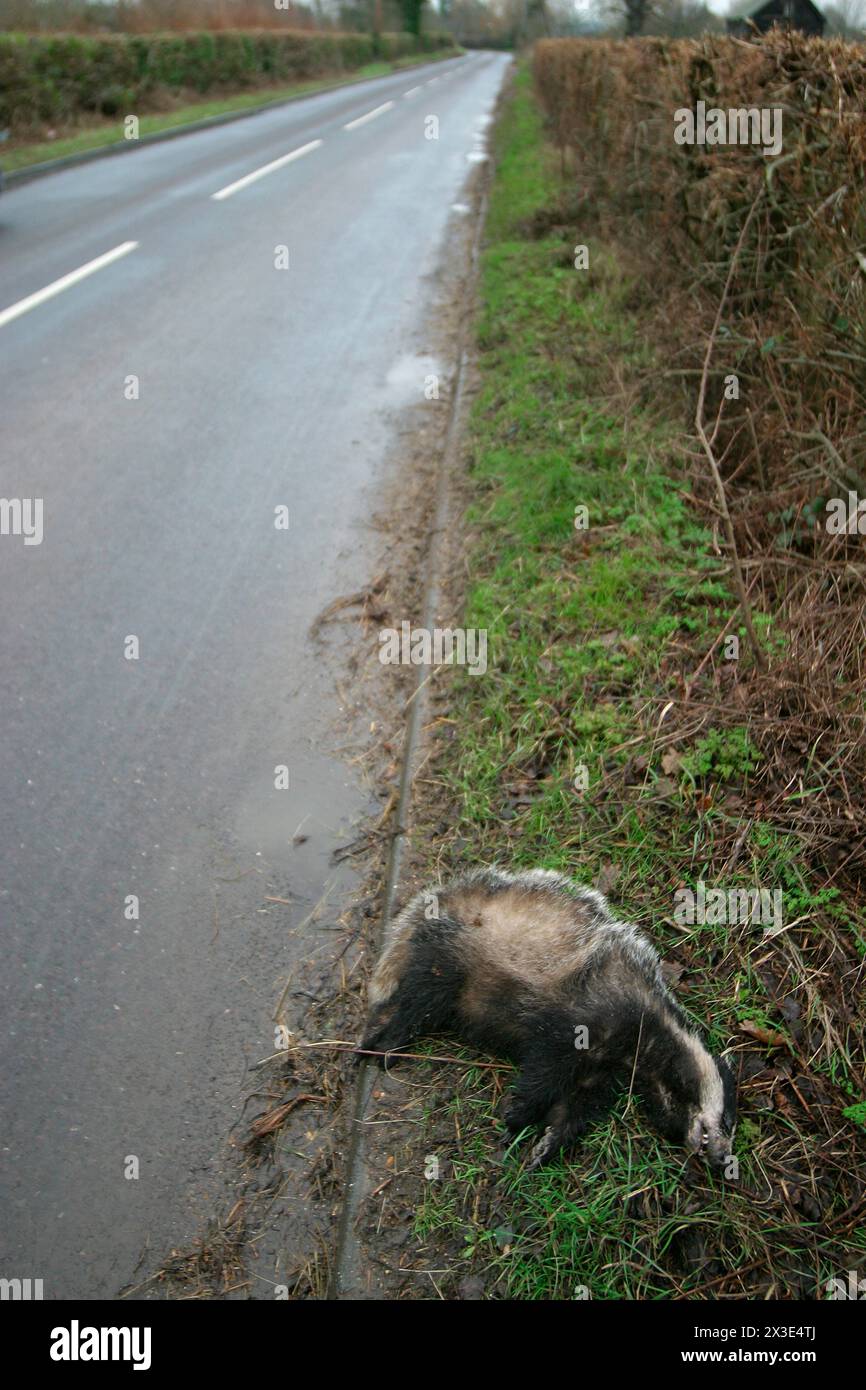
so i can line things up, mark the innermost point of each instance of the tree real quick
(670, 18)
(682, 19)
(636, 14)
(412, 16)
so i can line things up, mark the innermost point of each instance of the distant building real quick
(784, 14)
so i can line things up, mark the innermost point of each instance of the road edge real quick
(345, 1276)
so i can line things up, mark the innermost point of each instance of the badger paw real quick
(547, 1145)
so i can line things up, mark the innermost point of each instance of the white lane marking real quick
(411, 92)
(58, 286)
(361, 120)
(265, 169)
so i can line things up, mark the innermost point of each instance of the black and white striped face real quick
(694, 1104)
(710, 1127)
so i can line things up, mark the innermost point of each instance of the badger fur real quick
(536, 968)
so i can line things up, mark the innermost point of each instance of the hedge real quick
(64, 78)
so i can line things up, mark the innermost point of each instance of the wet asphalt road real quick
(257, 388)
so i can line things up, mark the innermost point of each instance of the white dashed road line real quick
(265, 169)
(58, 286)
(371, 115)
(66, 281)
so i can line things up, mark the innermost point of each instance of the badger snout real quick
(709, 1142)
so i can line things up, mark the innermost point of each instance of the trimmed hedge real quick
(794, 325)
(62, 78)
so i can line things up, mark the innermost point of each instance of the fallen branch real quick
(340, 1046)
(273, 1119)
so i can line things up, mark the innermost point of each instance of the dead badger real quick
(536, 968)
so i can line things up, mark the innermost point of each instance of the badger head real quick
(693, 1101)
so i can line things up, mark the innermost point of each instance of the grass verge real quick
(15, 155)
(590, 746)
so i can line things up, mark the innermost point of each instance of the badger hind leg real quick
(563, 1129)
(547, 1076)
(552, 1093)
(424, 991)
(527, 1105)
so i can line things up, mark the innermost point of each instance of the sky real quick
(717, 6)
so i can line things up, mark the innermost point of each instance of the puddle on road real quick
(299, 835)
(306, 814)
(408, 380)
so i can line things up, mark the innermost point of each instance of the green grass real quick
(589, 634)
(21, 156)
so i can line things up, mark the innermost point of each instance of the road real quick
(166, 386)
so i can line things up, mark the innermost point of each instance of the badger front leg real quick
(389, 1027)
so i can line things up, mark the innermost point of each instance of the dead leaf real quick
(763, 1035)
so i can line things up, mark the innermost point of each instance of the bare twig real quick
(708, 448)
